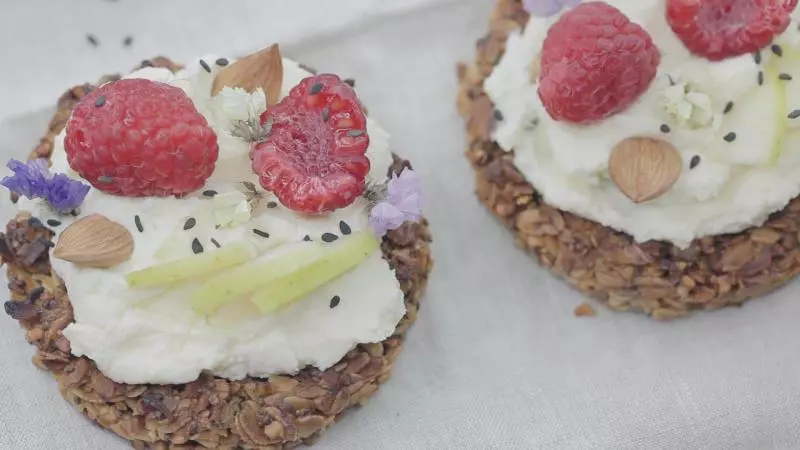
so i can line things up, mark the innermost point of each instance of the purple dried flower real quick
(384, 217)
(30, 178)
(65, 194)
(547, 8)
(403, 203)
(33, 179)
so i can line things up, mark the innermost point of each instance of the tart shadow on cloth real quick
(654, 277)
(279, 413)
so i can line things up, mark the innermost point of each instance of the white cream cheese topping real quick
(153, 336)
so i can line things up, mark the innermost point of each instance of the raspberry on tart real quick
(140, 138)
(720, 29)
(314, 158)
(578, 87)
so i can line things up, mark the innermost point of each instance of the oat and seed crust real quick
(655, 277)
(279, 413)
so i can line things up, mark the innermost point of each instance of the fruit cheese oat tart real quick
(224, 255)
(645, 150)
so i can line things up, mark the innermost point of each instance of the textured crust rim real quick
(279, 413)
(655, 277)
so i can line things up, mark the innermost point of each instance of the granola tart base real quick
(654, 277)
(265, 414)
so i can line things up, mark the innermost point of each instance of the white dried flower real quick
(240, 112)
(236, 104)
(231, 209)
(690, 109)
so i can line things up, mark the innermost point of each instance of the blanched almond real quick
(644, 168)
(263, 69)
(94, 241)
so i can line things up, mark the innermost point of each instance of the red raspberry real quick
(595, 63)
(314, 157)
(140, 138)
(719, 29)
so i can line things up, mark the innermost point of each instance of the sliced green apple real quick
(789, 64)
(790, 148)
(751, 130)
(337, 261)
(193, 266)
(240, 281)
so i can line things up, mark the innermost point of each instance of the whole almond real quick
(644, 168)
(263, 69)
(94, 241)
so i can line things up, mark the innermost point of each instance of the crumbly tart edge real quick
(654, 277)
(279, 413)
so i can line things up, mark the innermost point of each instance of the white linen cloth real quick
(496, 360)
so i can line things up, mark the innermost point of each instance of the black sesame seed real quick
(794, 114)
(344, 228)
(326, 114)
(258, 232)
(350, 81)
(205, 66)
(730, 137)
(335, 301)
(216, 243)
(138, 221)
(209, 193)
(92, 40)
(307, 238)
(760, 78)
(146, 63)
(127, 41)
(757, 57)
(329, 237)
(190, 223)
(35, 293)
(197, 247)
(316, 89)
(776, 49)
(694, 161)
(355, 133)
(222, 62)
(785, 77)
(665, 128)
(671, 81)
(271, 205)
(100, 101)
(75, 212)
(53, 222)
(728, 108)
(498, 115)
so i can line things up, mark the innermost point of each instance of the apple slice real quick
(750, 138)
(334, 263)
(193, 266)
(790, 148)
(243, 280)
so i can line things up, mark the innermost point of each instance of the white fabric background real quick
(496, 360)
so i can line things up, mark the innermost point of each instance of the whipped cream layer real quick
(740, 148)
(153, 336)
